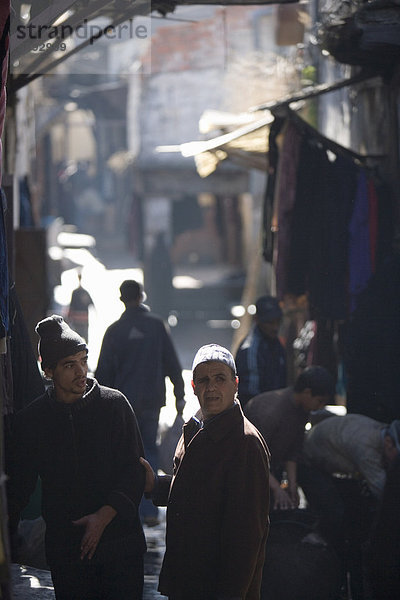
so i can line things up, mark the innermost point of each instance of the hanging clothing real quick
(305, 232)
(360, 269)
(373, 221)
(315, 196)
(285, 195)
(269, 232)
(28, 383)
(328, 270)
(4, 49)
(370, 345)
(4, 311)
(386, 221)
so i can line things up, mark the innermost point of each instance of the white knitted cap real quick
(214, 352)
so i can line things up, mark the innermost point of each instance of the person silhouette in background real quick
(136, 355)
(78, 312)
(281, 416)
(261, 358)
(158, 278)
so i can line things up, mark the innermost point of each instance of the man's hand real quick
(94, 525)
(150, 476)
(282, 500)
(293, 492)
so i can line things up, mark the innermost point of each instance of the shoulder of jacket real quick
(108, 393)
(34, 409)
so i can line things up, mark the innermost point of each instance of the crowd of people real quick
(92, 442)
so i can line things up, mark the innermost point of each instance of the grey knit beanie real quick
(57, 340)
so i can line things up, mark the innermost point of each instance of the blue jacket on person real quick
(261, 365)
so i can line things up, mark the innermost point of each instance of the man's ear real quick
(192, 382)
(48, 372)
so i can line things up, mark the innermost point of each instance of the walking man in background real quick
(136, 355)
(83, 441)
(218, 497)
(261, 358)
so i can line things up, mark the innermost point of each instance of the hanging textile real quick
(285, 195)
(370, 341)
(335, 246)
(4, 47)
(4, 314)
(328, 277)
(305, 233)
(360, 269)
(329, 224)
(269, 227)
(28, 383)
(386, 221)
(373, 222)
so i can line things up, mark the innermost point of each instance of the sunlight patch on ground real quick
(186, 281)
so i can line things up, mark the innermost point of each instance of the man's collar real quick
(91, 390)
(219, 426)
(135, 308)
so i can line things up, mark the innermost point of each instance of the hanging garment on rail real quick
(285, 195)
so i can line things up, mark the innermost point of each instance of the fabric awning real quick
(246, 145)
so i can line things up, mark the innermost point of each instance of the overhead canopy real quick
(33, 53)
(246, 141)
(246, 145)
(39, 28)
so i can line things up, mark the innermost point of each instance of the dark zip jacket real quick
(87, 455)
(136, 355)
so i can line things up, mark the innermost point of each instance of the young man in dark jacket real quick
(83, 441)
(218, 497)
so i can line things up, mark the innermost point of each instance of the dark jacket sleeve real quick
(128, 484)
(106, 367)
(161, 490)
(245, 518)
(22, 470)
(172, 366)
